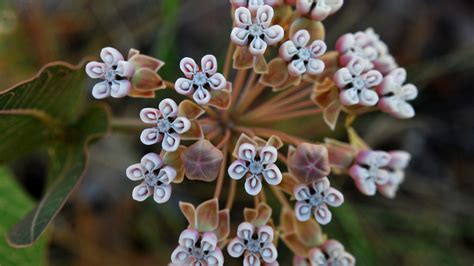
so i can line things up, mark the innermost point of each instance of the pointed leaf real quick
(223, 229)
(264, 213)
(202, 161)
(356, 141)
(174, 159)
(287, 183)
(190, 110)
(147, 80)
(295, 245)
(243, 59)
(221, 99)
(310, 233)
(189, 212)
(340, 154)
(207, 217)
(260, 65)
(287, 221)
(277, 73)
(331, 114)
(141, 61)
(195, 131)
(275, 142)
(250, 214)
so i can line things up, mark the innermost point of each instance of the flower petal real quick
(408, 92)
(180, 256)
(320, 11)
(302, 211)
(135, 172)
(368, 97)
(268, 154)
(380, 158)
(272, 174)
(345, 42)
(273, 34)
(141, 192)
(251, 260)
(265, 234)
(162, 193)
(95, 70)
(356, 66)
(236, 247)
(201, 96)
(209, 64)
(321, 185)
(245, 231)
(125, 69)
(399, 159)
(170, 142)
(301, 38)
(181, 125)
(239, 36)
(215, 257)
(101, 90)
(110, 56)
(318, 48)
(349, 97)
(150, 115)
(188, 238)
(269, 253)
(358, 172)
(217, 81)
(237, 169)
(188, 66)
(168, 108)
(151, 161)
(317, 257)
(242, 17)
(264, 16)
(296, 67)
(167, 175)
(367, 187)
(150, 136)
(333, 197)
(184, 86)
(208, 241)
(247, 152)
(342, 77)
(301, 192)
(120, 88)
(257, 46)
(288, 50)
(372, 78)
(322, 214)
(315, 66)
(253, 185)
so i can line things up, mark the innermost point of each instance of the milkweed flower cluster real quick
(277, 68)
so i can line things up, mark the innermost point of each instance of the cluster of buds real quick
(225, 119)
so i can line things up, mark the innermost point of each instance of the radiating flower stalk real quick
(277, 69)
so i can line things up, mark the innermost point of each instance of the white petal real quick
(215, 257)
(269, 253)
(151, 161)
(120, 88)
(303, 6)
(170, 142)
(349, 97)
(101, 90)
(184, 86)
(253, 185)
(358, 172)
(110, 56)
(208, 241)
(296, 67)
(141, 192)
(135, 172)
(302, 211)
(180, 256)
(322, 214)
(264, 16)
(95, 70)
(342, 77)
(399, 159)
(372, 78)
(242, 17)
(318, 48)
(236, 248)
(251, 260)
(335, 5)
(247, 152)
(315, 66)
(379, 158)
(321, 185)
(168, 108)
(217, 81)
(209, 64)
(272, 175)
(301, 192)
(188, 238)
(356, 66)
(150, 136)
(268, 154)
(181, 125)
(150, 115)
(317, 257)
(237, 169)
(162, 193)
(368, 97)
(367, 187)
(333, 197)
(167, 174)
(265, 234)
(125, 69)
(273, 34)
(245, 231)
(239, 36)
(188, 66)
(409, 92)
(257, 46)
(345, 42)
(301, 38)
(320, 12)
(288, 50)
(201, 96)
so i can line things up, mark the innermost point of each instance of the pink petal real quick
(269, 253)
(181, 125)
(95, 70)
(318, 48)
(345, 42)
(265, 234)
(296, 67)
(253, 185)
(409, 92)
(322, 214)
(245, 231)
(150, 115)
(180, 256)
(135, 172)
(236, 248)
(162, 193)
(333, 197)
(399, 159)
(150, 136)
(110, 56)
(167, 174)
(368, 97)
(237, 169)
(101, 90)
(247, 152)
(170, 142)
(168, 108)
(301, 192)
(342, 77)
(242, 17)
(125, 69)
(217, 82)
(356, 66)
(303, 7)
(215, 257)
(120, 88)
(288, 50)
(301, 38)
(273, 34)
(349, 97)
(358, 172)
(188, 238)
(188, 66)
(302, 211)
(257, 46)
(268, 154)
(184, 86)
(272, 175)
(315, 66)
(367, 187)
(251, 260)
(239, 36)
(201, 96)
(320, 12)
(141, 192)
(317, 257)
(209, 64)
(321, 185)
(264, 16)
(209, 241)
(372, 78)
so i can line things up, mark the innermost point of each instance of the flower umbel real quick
(369, 171)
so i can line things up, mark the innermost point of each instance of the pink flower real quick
(255, 244)
(197, 249)
(303, 58)
(318, 9)
(199, 81)
(384, 62)
(332, 253)
(115, 72)
(316, 200)
(399, 160)
(255, 168)
(356, 86)
(394, 94)
(156, 178)
(256, 31)
(167, 125)
(352, 45)
(369, 171)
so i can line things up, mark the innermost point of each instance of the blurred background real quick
(431, 222)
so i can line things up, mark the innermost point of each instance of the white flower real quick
(256, 32)
(115, 72)
(156, 178)
(369, 171)
(197, 250)
(318, 9)
(357, 86)
(167, 125)
(332, 253)
(255, 168)
(394, 94)
(255, 243)
(253, 5)
(384, 61)
(199, 81)
(399, 160)
(355, 45)
(303, 58)
(316, 202)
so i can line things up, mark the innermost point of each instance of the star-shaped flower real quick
(332, 253)
(394, 94)
(369, 171)
(316, 200)
(256, 168)
(155, 176)
(197, 249)
(115, 72)
(318, 9)
(303, 58)
(257, 31)
(399, 160)
(255, 243)
(199, 81)
(357, 86)
(167, 125)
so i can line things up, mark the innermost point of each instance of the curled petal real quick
(272, 175)
(162, 193)
(268, 154)
(237, 169)
(399, 159)
(318, 48)
(208, 241)
(251, 260)
(188, 238)
(150, 115)
(356, 66)
(358, 172)
(167, 175)
(141, 192)
(95, 70)
(273, 34)
(245, 231)
(368, 97)
(335, 5)
(379, 158)
(333, 197)
(135, 172)
(181, 125)
(367, 187)
(398, 75)
(184, 86)
(101, 90)
(201, 96)
(302, 211)
(303, 7)
(247, 152)
(409, 92)
(372, 78)
(150, 136)
(236, 248)
(209, 64)
(269, 253)
(215, 257)
(296, 67)
(253, 5)
(301, 38)
(110, 56)
(170, 142)
(301, 192)
(287, 50)
(168, 108)
(320, 12)
(257, 46)
(120, 88)
(217, 81)
(151, 161)
(315, 66)
(345, 42)
(321, 185)
(317, 257)
(253, 185)
(382, 177)
(180, 256)
(264, 16)
(125, 69)
(349, 97)
(265, 234)
(342, 77)
(188, 66)
(242, 17)
(322, 214)
(239, 36)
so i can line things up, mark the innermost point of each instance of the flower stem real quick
(280, 197)
(228, 59)
(231, 194)
(220, 178)
(126, 125)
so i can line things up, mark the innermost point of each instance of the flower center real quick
(163, 125)
(197, 253)
(255, 30)
(358, 83)
(200, 79)
(151, 179)
(316, 200)
(110, 74)
(253, 246)
(304, 54)
(255, 168)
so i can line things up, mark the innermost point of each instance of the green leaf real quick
(68, 160)
(34, 112)
(13, 205)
